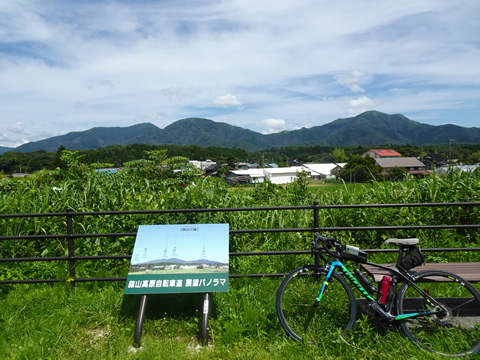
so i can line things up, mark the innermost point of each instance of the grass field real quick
(98, 322)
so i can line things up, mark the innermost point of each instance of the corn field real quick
(88, 191)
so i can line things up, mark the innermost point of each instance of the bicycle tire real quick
(302, 321)
(455, 333)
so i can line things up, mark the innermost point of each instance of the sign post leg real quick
(204, 329)
(140, 320)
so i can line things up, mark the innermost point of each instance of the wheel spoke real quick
(305, 322)
(455, 328)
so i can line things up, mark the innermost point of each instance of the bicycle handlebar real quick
(336, 249)
(328, 244)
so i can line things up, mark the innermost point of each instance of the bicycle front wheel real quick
(455, 330)
(295, 304)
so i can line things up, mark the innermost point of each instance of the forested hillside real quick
(370, 128)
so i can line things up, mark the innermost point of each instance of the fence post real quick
(71, 249)
(316, 225)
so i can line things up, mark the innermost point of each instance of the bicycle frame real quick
(337, 264)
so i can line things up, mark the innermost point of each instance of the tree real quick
(38, 160)
(57, 161)
(473, 158)
(360, 169)
(339, 154)
(11, 162)
(396, 173)
(160, 166)
(72, 159)
(409, 151)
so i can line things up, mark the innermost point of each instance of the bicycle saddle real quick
(412, 241)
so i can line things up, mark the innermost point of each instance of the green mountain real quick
(369, 128)
(204, 132)
(4, 149)
(377, 128)
(92, 139)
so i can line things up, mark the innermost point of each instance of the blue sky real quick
(208, 240)
(263, 65)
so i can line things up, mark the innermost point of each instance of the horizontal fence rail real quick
(69, 236)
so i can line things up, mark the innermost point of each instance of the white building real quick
(283, 175)
(202, 165)
(320, 171)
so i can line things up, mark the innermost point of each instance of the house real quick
(241, 166)
(434, 161)
(382, 153)
(411, 165)
(202, 165)
(240, 176)
(337, 171)
(212, 169)
(322, 171)
(283, 175)
(234, 179)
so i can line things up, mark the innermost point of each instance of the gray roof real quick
(400, 162)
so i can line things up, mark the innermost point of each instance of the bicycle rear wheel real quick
(454, 332)
(295, 304)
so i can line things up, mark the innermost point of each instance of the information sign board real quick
(179, 259)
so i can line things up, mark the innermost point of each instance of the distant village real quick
(387, 159)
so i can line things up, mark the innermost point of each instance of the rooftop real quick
(385, 152)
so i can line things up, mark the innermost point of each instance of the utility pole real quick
(450, 141)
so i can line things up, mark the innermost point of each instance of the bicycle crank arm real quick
(383, 313)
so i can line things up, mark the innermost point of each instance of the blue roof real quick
(109, 170)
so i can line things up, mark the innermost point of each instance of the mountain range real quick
(179, 261)
(369, 128)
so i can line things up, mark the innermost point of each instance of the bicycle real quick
(438, 310)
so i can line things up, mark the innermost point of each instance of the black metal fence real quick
(69, 236)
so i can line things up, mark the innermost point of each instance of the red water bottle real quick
(383, 291)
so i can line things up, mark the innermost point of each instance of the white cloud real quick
(227, 100)
(352, 80)
(18, 127)
(178, 93)
(71, 65)
(79, 104)
(154, 116)
(99, 83)
(274, 125)
(22, 23)
(357, 106)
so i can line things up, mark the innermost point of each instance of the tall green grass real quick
(47, 193)
(95, 321)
